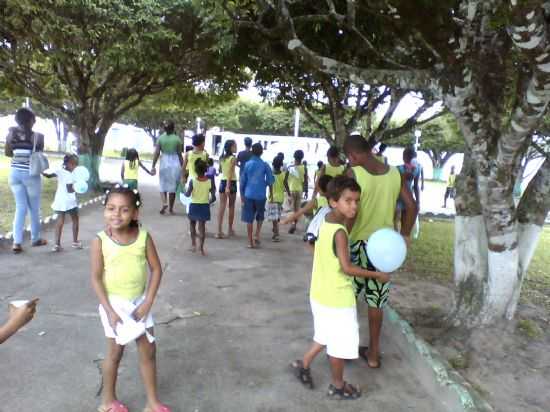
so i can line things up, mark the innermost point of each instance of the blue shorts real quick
(253, 209)
(199, 212)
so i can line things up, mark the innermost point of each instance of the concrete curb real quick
(434, 372)
(6, 239)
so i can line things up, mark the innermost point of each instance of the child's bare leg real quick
(110, 371)
(232, 199)
(59, 228)
(75, 219)
(221, 212)
(249, 230)
(148, 368)
(337, 371)
(310, 355)
(193, 229)
(258, 229)
(202, 237)
(276, 228)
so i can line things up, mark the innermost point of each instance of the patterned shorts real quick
(376, 294)
(274, 211)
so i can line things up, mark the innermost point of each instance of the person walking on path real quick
(276, 197)
(169, 148)
(296, 184)
(450, 190)
(228, 188)
(20, 144)
(381, 185)
(244, 156)
(65, 202)
(190, 158)
(120, 256)
(201, 190)
(129, 171)
(411, 174)
(331, 293)
(257, 176)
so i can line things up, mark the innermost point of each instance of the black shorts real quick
(232, 186)
(72, 212)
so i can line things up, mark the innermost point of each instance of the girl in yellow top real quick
(130, 168)
(228, 187)
(276, 197)
(201, 191)
(332, 295)
(120, 256)
(296, 183)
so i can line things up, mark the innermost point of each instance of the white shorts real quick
(337, 329)
(123, 308)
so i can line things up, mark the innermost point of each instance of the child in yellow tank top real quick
(201, 191)
(120, 256)
(315, 204)
(332, 296)
(191, 157)
(130, 168)
(276, 197)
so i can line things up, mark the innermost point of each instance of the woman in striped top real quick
(26, 189)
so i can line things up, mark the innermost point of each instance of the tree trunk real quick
(338, 119)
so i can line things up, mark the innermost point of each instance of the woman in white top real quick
(65, 200)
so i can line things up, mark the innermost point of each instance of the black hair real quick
(257, 149)
(200, 167)
(210, 161)
(132, 155)
(356, 143)
(24, 117)
(409, 153)
(298, 155)
(277, 163)
(323, 182)
(382, 148)
(227, 149)
(320, 164)
(169, 127)
(333, 151)
(281, 155)
(68, 157)
(132, 194)
(198, 139)
(247, 141)
(338, 184)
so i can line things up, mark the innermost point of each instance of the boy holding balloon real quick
(381, 186)
(65, 202)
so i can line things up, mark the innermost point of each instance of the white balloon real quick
(386, 250)
(80, 186)
(81, 173)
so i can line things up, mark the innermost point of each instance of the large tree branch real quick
(535, 202)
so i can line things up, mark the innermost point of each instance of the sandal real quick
(77, 245)
(275, 238)
(219, 236)
(363, 353)
(57, 248)
(163, 209)
(114, 406)
(160, 408)
(346, 392)
(39, 242)
(16, 248)
(303, 374)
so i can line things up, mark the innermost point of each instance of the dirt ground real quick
(508, 364)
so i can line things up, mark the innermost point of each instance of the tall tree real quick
(93, 61)
(489, 62)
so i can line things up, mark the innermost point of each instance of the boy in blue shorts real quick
(381, 186)
(256, 177)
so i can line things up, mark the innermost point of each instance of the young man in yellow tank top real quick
(190, 158)
(381, 186)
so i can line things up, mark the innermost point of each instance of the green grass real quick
(431, 257)
(7, 204)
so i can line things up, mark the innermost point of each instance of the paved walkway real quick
(227, 327)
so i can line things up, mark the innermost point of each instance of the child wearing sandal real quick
(120, 256)
(276, 197)
(65, 202)
(332, 295)
(201, 190)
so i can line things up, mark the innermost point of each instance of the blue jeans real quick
(26, 191)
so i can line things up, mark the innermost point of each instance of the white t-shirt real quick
(64, 200)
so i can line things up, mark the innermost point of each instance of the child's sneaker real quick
(77, 245)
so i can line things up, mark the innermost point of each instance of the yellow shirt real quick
(322, 201)
(192, 157)
(124, 266)
(296, 183)
(379, 194)
(451, 181)
(334, 170)
(131, 173)
(279, 188)
(226, 167)
(201, 190)
(330, 286)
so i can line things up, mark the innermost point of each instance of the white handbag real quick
(38, 161)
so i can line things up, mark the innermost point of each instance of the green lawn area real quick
(431, 257)
(7, 204)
